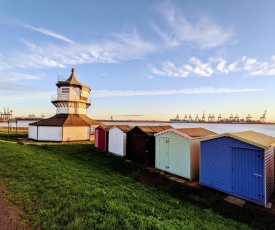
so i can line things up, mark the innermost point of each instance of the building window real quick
(65, 90)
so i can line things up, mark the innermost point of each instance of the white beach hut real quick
(117, 139)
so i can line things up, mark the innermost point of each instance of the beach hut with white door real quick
(117, 139)
(178, 151)
(240, 164)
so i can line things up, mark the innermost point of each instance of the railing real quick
(62, 97)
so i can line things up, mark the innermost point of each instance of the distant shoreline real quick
(190, 122)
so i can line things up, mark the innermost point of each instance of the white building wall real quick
(49, 133)
(72, 109)
(84, 93)
(76, 133)
(32, 132)
(116, 141)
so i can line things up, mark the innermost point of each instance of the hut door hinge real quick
(261, 196)
(258, 175)
(259, 156)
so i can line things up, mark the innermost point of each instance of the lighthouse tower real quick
(72, 96)
(70, 122)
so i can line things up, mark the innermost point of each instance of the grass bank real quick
(78, 187)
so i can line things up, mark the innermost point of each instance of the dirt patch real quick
(9, 214)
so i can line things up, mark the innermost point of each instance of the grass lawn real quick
(75, 186)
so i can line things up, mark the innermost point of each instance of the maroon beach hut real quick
(101, 137)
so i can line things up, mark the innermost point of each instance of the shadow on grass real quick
(254, 216)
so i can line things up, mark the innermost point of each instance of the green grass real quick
(75, 186)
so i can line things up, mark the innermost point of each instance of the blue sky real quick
(151, 58)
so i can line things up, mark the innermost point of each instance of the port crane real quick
(197, 118)
(203, 116)
(219, 118)
(236, 118)
(263, 117)
(248, 118)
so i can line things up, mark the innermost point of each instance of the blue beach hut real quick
(240, 164)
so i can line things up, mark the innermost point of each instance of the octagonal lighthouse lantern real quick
(72, 96)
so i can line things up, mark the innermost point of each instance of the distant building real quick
(70, 122)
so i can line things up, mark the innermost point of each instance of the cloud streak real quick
(12, 77)
(48, 33)
(202, 90)
(196, 67)
(128, 93)
(204, 33)
(120, 47)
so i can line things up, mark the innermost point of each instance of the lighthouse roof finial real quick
(72, 80)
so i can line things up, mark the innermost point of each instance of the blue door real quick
(248, 173)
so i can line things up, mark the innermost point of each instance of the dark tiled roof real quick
(105, 127)
(72, 80)
(153, 129)
(195, 132)
(124, 128)
(67, 120)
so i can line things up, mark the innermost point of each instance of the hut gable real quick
(189, 133)
(254, 138)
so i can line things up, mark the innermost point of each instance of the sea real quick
(268, 129)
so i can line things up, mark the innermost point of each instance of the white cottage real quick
(70, 122)
(117, 139)
(178, 151)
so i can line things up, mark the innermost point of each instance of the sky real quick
(152, 58)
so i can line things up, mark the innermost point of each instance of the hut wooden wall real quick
(140, 147)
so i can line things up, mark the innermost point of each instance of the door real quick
(164, 153)
(248, 173)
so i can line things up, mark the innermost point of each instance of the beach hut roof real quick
(189, 133)
(106, 127)
(153, 129)
(124, 128)
(254, 138)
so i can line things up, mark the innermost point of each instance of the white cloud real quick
(49, 33)
(205, 33)
(120, 47)
(196, 67)
(128, 93)
(11, 77)
(202, 90)
(23, 96)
